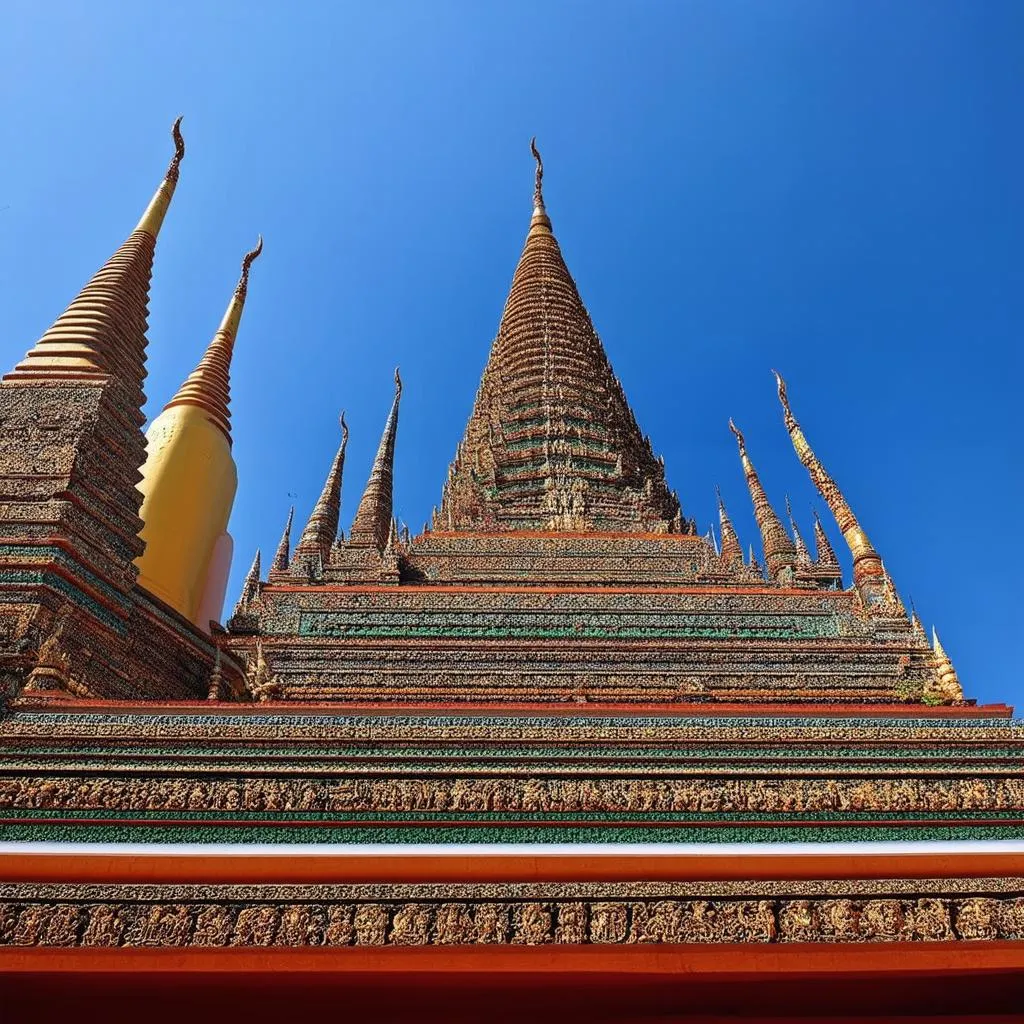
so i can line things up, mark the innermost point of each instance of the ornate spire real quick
(803, 556)
(539, 221)
(283, 554)
(779, 550)
(732, 553)
(208, 386)
(552, 443)
(826, 556)
(322, 529)
(373, 517)
(103, 331)
(948, 684)
(250, 587)
(868, 575)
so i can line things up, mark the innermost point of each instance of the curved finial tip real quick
(538, 195)
(343, 425)
(179, 150)
(737, 432)
(247, 261)
(783, 397)
(398, 382)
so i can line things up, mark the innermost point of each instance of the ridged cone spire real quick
(753, 565)
(282, 557)
(803, 556)
(779, 550)
(868, 575)
(732, 552)
(322, 529)
(208, 386)
(826, 555)
(103, 331)
(949, 684)
(373, 517)
(250, 587)
(552, 443)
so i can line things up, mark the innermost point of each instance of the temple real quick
(562, 745)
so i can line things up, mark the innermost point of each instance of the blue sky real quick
(831, 188)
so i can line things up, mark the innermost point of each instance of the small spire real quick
(753, 565)
(540, 220)
(779, 550)
(732, 553)
(803, 556)
(867, 566)
(322, 529)
(250, 586)
(373, 517)
(948, 683)
(826, 556)
(208, 386)
(152, 220)
(103, 331)
(283, 554)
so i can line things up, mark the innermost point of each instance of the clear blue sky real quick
(831, 188)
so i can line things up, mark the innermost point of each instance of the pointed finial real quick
(538, 181)
(540, 220)
(208, 386)
(247, 261)
(398, 382)
(153, 218)
(867, 566)
(344, 428)
(803, 556)
(738, 435)
(179, 150)
(250, 586)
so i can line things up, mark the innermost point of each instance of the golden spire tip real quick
(179, 149)
(247, 262)
(538, 195)
(738, 434)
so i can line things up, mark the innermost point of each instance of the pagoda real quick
(560, 754)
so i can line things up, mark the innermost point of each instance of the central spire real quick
(552, 443)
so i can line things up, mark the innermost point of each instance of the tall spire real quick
(373, 517)
(551, 443)
(779, 550)
(208, 386)
(103, 331)
(732, 553)
(868, 574)
(283, 554)
(189, 480)
(803, 556)
(322, 528)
